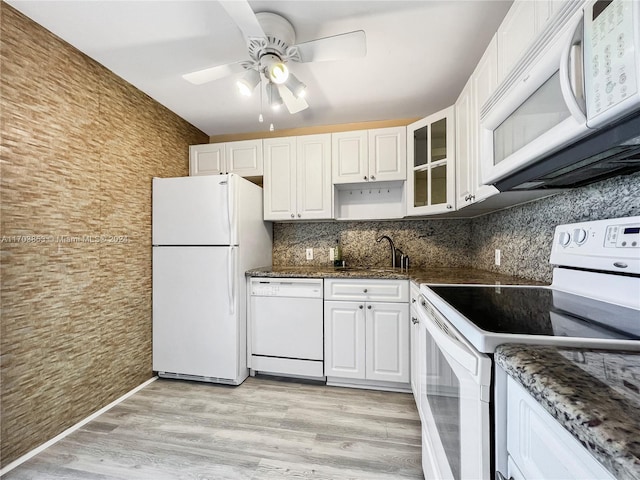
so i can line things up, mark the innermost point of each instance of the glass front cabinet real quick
(431, 164)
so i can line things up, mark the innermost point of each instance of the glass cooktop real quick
(541, 311)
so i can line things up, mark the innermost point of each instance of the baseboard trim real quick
(72, 429)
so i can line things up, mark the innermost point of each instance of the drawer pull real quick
(414, 320)
(369, 307)
(360, 307)
(365, 290)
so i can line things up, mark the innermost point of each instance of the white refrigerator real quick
(206, 232)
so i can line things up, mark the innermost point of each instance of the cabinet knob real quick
(449, 206)
(365, 290)
(292, 215)
(467, 198)
(365, 177)
(472, 197)
(414, 320)
(369, 307)
(299, 215)
(372, 177)
(413, 300)
(360, 307)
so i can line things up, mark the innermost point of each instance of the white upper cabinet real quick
(515, 34)
(480, 86)
(369, 155)
(523, 22)
(349, 156)
(388, 154)
(243, 158)
(431, 164)
(297, 178)
(206, 159)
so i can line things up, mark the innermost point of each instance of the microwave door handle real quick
(572, 75)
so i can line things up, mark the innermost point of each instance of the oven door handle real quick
(452, 347)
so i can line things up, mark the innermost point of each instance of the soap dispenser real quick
(337, 255)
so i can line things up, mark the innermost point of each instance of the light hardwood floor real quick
(263, 429)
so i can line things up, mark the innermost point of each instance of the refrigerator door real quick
(197, 210)
(195, 314)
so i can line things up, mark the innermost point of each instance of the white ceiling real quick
(419, 54)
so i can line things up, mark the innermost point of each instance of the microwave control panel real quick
(611, 70)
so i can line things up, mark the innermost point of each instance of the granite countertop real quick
(426, 275)
(594, 394)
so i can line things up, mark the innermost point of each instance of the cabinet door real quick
(465, 151)
(349, 157)
(244, 158)
(206, 159)
(414, 346)
(388, 154)
(485, 82)
(344, 339)
(387, 342)
(431, 164)
(314, 188)
(516, 32)
(279, 180)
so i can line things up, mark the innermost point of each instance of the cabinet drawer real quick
(540, 447)
(367, 290)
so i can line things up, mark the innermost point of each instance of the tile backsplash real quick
(523, 233)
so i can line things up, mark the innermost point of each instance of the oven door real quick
(454, 401)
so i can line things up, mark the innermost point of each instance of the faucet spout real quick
(393, 248)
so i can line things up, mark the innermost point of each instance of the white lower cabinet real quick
(539, 447)
(366, 341)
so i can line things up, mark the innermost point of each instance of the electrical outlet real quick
(498, 256)
(309, 253)
(332, 254)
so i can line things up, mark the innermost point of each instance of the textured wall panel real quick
(78, 150)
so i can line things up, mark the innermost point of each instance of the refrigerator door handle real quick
(231, 208)
(231, 277)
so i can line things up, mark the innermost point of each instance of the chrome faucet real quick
(393, 248)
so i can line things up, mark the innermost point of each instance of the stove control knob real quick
(564, 238)
(579, 236)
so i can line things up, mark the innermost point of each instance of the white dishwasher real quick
(286, 326)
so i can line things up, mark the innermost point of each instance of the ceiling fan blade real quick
(242, 14)
(214, 73)
(293, 104)
(337, 47)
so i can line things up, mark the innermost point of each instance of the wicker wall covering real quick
(79, 147)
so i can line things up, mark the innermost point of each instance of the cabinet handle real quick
(472, 197)
(299, 215)
(360, 307)
(365, 177)
(369, 307)
(500, 476)
(413, 300)
(414, 320)
(467, 198)
(449, 206)
(293, 216)
(372, 177)
(365, 290)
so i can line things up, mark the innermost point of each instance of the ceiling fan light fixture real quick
(298, 88)
(248, 83)
(273, 96)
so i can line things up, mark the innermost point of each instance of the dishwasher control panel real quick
(287, 287)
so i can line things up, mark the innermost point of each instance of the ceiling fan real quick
(271, 45)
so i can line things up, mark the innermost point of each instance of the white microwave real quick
(580, 75)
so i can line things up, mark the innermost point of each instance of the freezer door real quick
(195, 210)
(195, 314)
